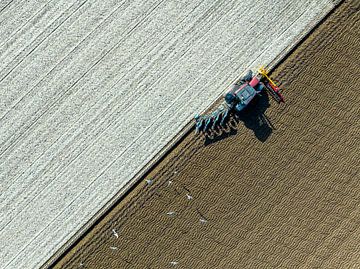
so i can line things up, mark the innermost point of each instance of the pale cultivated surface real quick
(90, 91)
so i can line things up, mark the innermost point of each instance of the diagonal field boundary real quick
(130, 185)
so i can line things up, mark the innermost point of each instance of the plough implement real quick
(240, 95)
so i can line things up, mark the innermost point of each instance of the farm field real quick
(91, 91)
(260, 197)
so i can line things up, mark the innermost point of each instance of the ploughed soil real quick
(280, 189)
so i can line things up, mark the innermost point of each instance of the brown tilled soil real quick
(286, 199)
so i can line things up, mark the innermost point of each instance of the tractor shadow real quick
(252, 117)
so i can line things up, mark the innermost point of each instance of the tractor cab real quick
(245, 95)
(246, 92)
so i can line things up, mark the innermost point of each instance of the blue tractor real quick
(240, 95)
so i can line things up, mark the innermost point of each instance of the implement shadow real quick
(252, 117)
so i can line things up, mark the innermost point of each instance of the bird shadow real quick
(252, 117)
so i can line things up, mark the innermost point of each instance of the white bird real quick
(115, 233)
(149, 181)
(171, 213)
(202, 220)
(174, 263)
(188, 196)
(113, 248)
(169, 182)
(81, 264)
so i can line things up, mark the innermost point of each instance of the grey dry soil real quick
(292, 201)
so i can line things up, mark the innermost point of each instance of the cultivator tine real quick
(199, 123)
(208, 123)
(198, 126)
(224, 117)
(217, 118)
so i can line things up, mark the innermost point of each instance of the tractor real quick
(239, 97)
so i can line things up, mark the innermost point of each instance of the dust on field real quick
(279, 191)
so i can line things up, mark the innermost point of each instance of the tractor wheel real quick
(248, 76)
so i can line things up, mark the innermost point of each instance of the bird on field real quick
(149, 181)
(115, 233)
(202, 218)
(113, 248)
(189, 197)
(171, 213)
(174, 263)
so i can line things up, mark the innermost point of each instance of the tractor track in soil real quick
(290, 202)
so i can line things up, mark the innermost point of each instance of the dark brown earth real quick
(286, 199)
